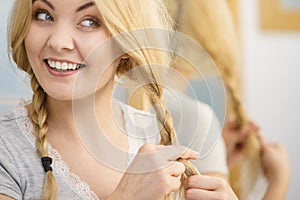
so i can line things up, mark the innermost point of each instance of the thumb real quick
(173, 152)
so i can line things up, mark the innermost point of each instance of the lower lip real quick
(61, 74)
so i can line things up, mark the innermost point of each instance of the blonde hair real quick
(20, 20)
(126, 22)
(119, 17)
(211, 25)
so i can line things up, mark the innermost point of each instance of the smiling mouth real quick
(63, 66)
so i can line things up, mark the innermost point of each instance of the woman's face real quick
(61, 36)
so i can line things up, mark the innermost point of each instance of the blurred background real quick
(269, 32)
(271, 73)
(13, 82)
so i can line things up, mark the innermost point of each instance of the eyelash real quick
(93, 22)
(47, 16)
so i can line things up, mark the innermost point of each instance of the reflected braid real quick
(219, 38)
(244, 175)
(39, 119)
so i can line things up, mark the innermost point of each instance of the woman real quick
(58, 44)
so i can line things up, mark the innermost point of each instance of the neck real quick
(72, 115)
(89, 123)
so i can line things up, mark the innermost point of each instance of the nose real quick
(61, 38)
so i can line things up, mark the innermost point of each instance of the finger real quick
(254, 127)
(236, 138)
(154, 157)
(262, 141)
(240, 135)
(176, 169)
(198, 194)
(189, 154)
(173, 152)
(149, 148)
(174, 184)
(204, 182)
(231, 124)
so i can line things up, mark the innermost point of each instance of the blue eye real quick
(42, 15)
(90, 23)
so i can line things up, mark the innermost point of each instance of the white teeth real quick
(74, 66)
(63, 66)
(57, 65)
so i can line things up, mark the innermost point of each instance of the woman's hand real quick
(275, 164)
(274, 160)
(235, 139)
(153, 173)
(202, 187)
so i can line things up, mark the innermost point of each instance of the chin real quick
(59, 94)
(69, 96)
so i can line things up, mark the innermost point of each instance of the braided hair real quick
(20, 20)
(119, 17)
(210, 23)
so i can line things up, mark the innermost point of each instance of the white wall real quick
(12, 81)
(272, 84)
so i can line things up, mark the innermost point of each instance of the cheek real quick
(89, 43)
(101, 56)
(34, 43)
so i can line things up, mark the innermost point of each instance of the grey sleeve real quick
(213, 150)
(201, 131)
(215, 161)
(9, 177)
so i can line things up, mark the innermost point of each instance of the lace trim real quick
(61, 168)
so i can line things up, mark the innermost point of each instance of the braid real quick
(39, 119)
(164, 118)
(167, 130)
(221, 41)
(243, 176)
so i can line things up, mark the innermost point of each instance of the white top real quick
(21, 172)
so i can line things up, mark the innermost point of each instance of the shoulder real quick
(12, 123)
(16, 131)
(193, 119)
(8, 124)
(21, 173)
(198, 128)
(14, 152)
(179, 103)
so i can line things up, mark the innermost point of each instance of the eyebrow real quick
(46, 2)
(85, 6)
(81, 8)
